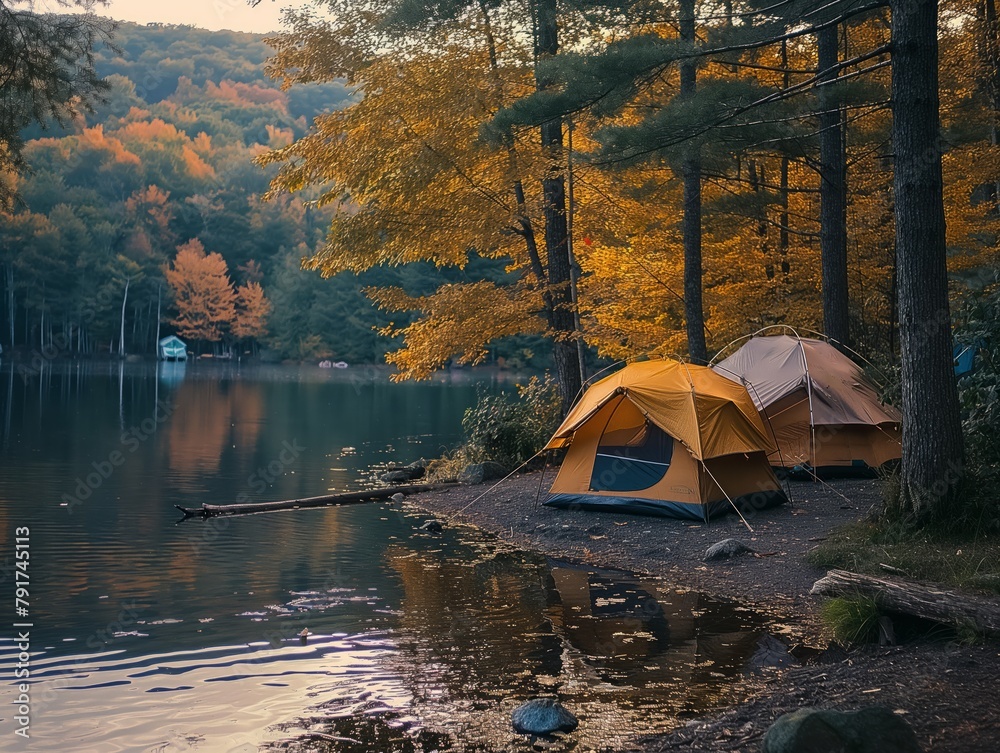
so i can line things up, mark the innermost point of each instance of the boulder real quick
(398, 497)
(433, 526)
(869, 730)
(726, 549)
(402, 475)
(771, 653)
(542, 716)
(422, 463)
(477, 473)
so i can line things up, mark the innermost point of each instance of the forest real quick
(165, 163)
(725, 167)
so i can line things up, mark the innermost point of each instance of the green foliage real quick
(168, 157)
(853, 619)
(969, 559)
(979, 392)
(508, 430)
(48, 72)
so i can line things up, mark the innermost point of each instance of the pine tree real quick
(932, 432)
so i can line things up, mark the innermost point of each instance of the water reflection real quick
(480, 633)
(151, 635)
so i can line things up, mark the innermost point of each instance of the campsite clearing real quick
(932, 685)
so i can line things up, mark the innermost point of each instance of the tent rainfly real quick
(825, 414)
(664, 438)
(172, 348)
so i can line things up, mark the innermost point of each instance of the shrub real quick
(511, 430)
(853, 619)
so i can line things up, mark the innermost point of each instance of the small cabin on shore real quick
(172, 348)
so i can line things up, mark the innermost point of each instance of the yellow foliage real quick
(455, 320)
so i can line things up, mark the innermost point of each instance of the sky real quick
(208, 14)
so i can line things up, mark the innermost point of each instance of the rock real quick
(870, 730)
(834, 653)
(398, 497)
(771, 652)
(726, 549)
(543, 716)
(477, 473)
(402, 475)
(433, 526)
(422, 463)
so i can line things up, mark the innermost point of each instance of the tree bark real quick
(554, 210)
(783, 221)
(694, 312)
(343, 498)
(926, 602)
(833, 194)
(932, 461)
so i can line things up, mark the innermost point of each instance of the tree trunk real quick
(121, 334)
(10, 302)
(932, 433)
(991, 55)
(554, 209)
(691, 224)
(783, 222)
(926, 602)
(156, 343)
(833, 193)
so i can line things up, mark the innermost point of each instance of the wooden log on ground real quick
(905, 597)
(327, 500)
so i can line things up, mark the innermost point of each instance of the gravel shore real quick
(777, 579)
(944, 690)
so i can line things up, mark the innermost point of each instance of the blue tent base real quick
(859, 469)
(665, 508)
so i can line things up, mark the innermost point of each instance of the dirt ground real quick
(946, 691)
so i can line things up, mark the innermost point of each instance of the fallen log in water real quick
(904, 597)
(328, 500)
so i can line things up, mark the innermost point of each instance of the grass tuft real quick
(853, 619)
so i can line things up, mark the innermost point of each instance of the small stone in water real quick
(543, 716)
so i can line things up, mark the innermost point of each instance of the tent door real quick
(631, 460)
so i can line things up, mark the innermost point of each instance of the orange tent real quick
(824, 412)
(664, 438)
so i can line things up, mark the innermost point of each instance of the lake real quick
(149, 633)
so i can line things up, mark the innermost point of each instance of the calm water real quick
(154, 635)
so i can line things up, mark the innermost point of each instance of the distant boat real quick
(340, 365)
(172, 348)
(325, 364)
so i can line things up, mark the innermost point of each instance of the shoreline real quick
(944, 690)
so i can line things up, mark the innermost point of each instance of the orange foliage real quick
(241, 94)
(151, 205)
(252, 308)
(202, 292)
(94, 138)
(196, 166)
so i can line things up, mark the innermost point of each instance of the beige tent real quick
(664, 438)
(824, 412)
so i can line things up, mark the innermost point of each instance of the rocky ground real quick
(946, 691)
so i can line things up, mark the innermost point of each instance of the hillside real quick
(167, 159)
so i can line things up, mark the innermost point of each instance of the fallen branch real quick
(328, 500)
(904, 597)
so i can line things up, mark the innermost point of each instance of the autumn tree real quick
(408, 157)
(252, 308)
(203, 293)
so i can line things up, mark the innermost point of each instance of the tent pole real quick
(541, 479)
(737, 509)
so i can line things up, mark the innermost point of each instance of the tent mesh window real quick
(631, 460)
